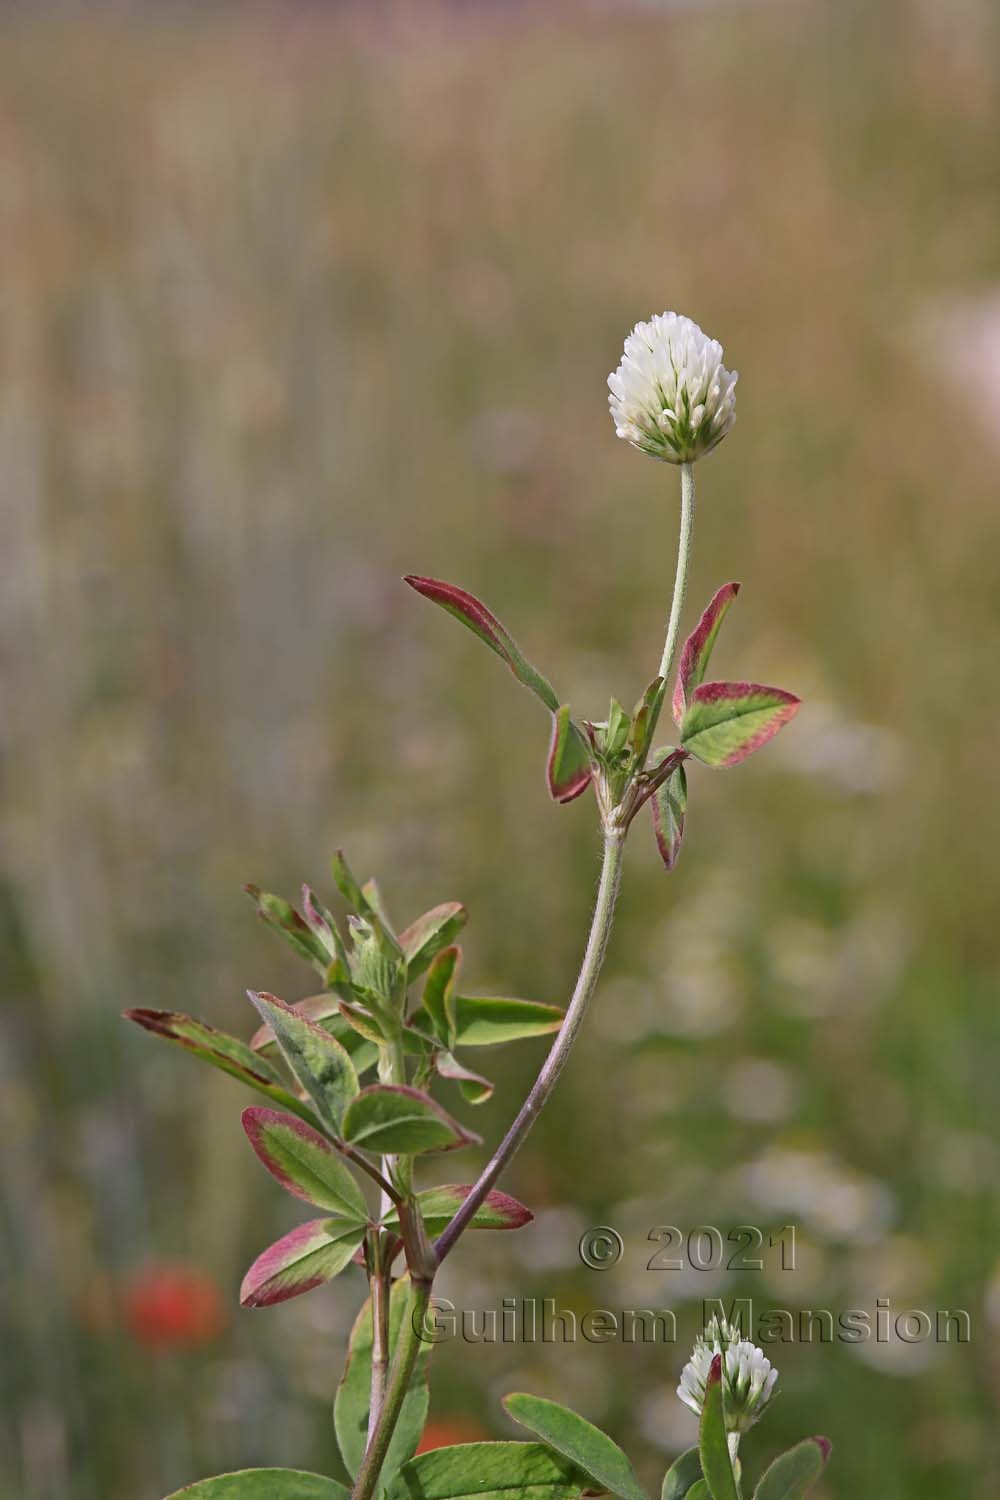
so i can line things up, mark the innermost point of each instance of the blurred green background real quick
(294, 300)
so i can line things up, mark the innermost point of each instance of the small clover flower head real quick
(671, 396)
(748, 1377)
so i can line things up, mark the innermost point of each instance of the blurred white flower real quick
(671, 396)
(748, 1377)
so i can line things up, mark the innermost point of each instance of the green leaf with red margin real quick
(304, 1163)
(716, 1464)
(323, 925)
(324, 1011)
(484, 1020)
(568, 767)
(350, 1412)
(394, 1119)
(697, 649)
(793, 1474)
(585, 1445)
(439, 1205)
(473, 613)
(669, 807)
(282, 916)
(425, 938)
(310, 1255)
(475, 1089)
(322, 1066)
(227, 1053)
(264, 1484)
(726, 721)
(438, 995)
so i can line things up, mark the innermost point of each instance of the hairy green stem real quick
(380, 1286)
(680, 590)
(407, 1349)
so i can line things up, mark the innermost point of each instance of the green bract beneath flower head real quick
(748, 1377)
(671, 396)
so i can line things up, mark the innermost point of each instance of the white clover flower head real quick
(671, 396)
(748, 1377)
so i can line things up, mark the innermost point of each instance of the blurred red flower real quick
(445, 1431)
(172, 1306)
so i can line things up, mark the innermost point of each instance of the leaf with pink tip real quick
(227, 1053)
(324, 1010)
(322, 1066)
(792, 1475)
(474, 1087)
(726, 721)
(473, 613)
(716, 1464)
(698, 648)
(485, 1020)
(438, 996)
(439, 1205)
(669, 805)
(282, 916)
(304, 1163)
(424, 939)
(390, 1119)
(310, 1255)
(569, 759)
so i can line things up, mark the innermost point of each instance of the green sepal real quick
(586, 1446)
(304, 1163)
(716, 1464)
(394, 1119)
(615, 734)
(793, 1474)
(282, 916)
(724, 722)
(568, 768)
(474, 614)
(439, 1205)
(320, 1063)
(489, 1471)
(264, 1484)
(308, 1256)
(425, 938)
(227, 1053)
(350, 1411)
(485, 1020)
(699, 1491)
(683, 1474)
